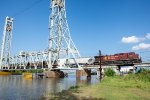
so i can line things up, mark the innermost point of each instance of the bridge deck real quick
(84, 67)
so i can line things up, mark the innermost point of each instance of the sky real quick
(112, 26)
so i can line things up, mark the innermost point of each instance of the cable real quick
(28, 8)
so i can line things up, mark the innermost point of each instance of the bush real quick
(142, 75)
(109, 72)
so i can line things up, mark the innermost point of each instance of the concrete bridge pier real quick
(84, 72)
(54, 74)
(87, 73)
(78, 73)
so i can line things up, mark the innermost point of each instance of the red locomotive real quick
(119, 58)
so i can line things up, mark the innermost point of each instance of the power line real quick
(28, 8)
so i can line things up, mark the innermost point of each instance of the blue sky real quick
(112, 26)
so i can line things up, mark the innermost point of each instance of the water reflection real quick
(17, 88)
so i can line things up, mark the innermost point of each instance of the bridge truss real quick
(6, 43)
(61, 46)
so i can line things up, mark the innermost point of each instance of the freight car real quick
(119, 58)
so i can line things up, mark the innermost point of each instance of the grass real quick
(130, 87)
(117, 88)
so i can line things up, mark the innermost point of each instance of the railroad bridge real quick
(61, 45)
(60, 52)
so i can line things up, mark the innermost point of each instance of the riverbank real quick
(130, 87)
(20, 72)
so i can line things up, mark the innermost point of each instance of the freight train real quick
(119, 58)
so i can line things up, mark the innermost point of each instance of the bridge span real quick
(75, 68)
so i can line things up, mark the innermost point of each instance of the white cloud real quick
(132, 39)
(148, 35)
(141, 46)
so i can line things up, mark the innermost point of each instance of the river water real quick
(15, 87)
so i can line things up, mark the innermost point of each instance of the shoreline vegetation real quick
(129, 87)
(20, 72)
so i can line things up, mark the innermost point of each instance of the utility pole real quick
(100, 66)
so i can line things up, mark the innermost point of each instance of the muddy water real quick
(14, 87)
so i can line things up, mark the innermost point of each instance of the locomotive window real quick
(130, 53)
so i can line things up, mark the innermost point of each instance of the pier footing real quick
(85, 72)
(54, 74)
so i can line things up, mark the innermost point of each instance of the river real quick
(14, 87)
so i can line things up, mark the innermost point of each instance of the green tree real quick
(109, 72)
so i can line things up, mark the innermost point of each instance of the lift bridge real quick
(61, 49)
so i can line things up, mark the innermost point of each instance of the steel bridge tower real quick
(61, 46)
(5, 59)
